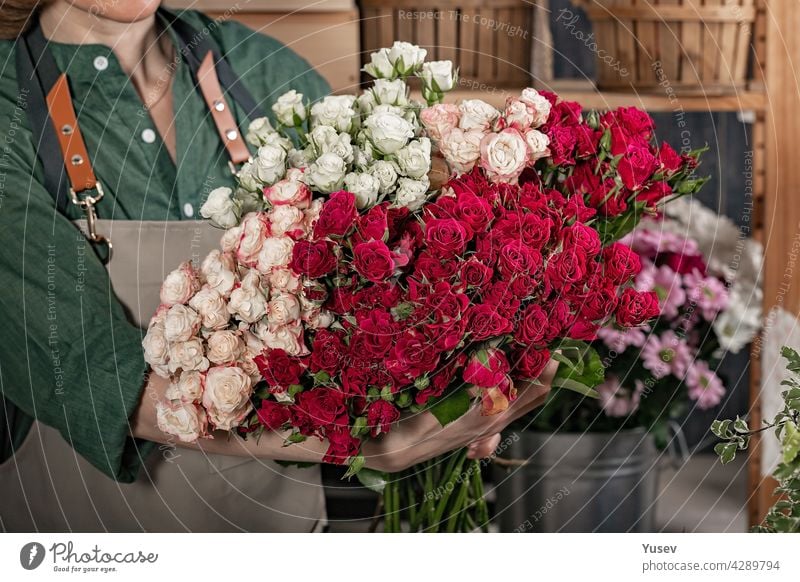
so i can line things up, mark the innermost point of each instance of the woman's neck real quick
(135, 44)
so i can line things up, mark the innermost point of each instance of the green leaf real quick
(791, 443)
(575, 386)
(355, 466)
(450, 407)
(726, 452)
(587, 369)
(793, 357)
(372, 479)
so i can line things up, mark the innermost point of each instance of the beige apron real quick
(47, 486)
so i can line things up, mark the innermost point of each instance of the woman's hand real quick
(420, 437)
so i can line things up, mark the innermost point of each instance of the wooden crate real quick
(690, 44)
(488, 40)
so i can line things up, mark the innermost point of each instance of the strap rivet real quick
(66, 129)
(76, 160)
(231, 134)
(219, 105)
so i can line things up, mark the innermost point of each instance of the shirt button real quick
(148, 135)
(100, 63)
(188, 210)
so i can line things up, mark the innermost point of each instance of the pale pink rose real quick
(217, 269)
(188, 387)
(187, 356)
(461, 149)
(283, 279)
(439, 119)
(226, 397)
(477, 114)
(250, 368)
(317, 318)
(276, 252)
(287, 221)
(312, 214)
(289, 191)
(224, 347)
(230, 239)
(517, 115)
(255, 230)
(181, 323)
(180, 285)
(249, 301)
(186, 421)
(538, 105)
(211, 306)
(288, 338)
(156, 348)
(283, 309)
(504, 155)
(538, 143)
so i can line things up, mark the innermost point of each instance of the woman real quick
(116, 110)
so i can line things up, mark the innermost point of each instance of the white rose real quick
(411, 193)
(415, 159)
(259, 131)
(386, 173)
(270, 163)
(327, 173)
(249, 301)
(288, 338)
(405, 57)
(156, 349)
(283, 279)
(517, 115)
(283, 309)
(364, 187)
(188, 387)
(224, 346)
(187, 356)
(230, 239)
(247, 177)
(336, 111)
(327, 140)
(209, 303)
(287, 219)
(226, 397)
(289, 109)
(538, 105)
(387, 131)
(179, 285)
(366, 102)
(391, 92)
(538, 143)
(181, 323)
(461, 149)
(184, 420)
(379, 66)
(220, 208)
(476, 114)
(217, 269)
(275, 253)
(438, 76)
(255, 230)
(297, 159)
(504, 155)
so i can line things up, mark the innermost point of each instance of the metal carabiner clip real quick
(87, 203)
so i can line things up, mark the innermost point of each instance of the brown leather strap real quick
(220, 112)
(76, 158)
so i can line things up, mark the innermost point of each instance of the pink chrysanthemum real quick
(619, 339)
(705, 387)
(666, 354)
(617, 400)
(708, 294)
(668, 285)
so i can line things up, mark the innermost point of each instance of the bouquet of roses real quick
(347, 292)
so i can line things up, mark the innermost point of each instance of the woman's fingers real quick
(483, 447)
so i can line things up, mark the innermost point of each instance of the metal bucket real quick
(590, 482)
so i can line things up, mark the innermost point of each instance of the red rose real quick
(669, 159)
(560, 317)
(486, 368)
(484, 322)
(475, 274)
(356, 380)
(473, 211)
(337, 215)
(566, 268)
(532, 326)
(445, 237)
(319, 407)
(636, 307)
(446, 335)
(443, 303)
(312, 258)
(562, 145)
(620, 263)
(582, 237)
(685, 264)
(583, 329)
(273, 415)
(588, 141)
(530, 363)
(376, 333)
(632, 121)
(342, 445)
(380, 416)
(598, 302)
(412, 356)
(278, 368)
(433, 268)
(373, 260)
(636, 167)
(327, 352)
(373, 225)
(654, 193)
(517, 258)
